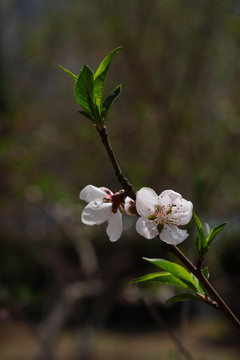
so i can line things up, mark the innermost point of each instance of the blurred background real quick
(64, 290)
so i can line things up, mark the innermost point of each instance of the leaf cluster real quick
(88, 90)
(177, 275)
(204, 241)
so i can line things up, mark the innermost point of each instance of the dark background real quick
(176, 125)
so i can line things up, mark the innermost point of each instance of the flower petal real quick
(173, 195)
(167, 198)
(114, 229)
(171, 234)
(146, 201)
(105, 190)
(96, 212)
(146, 228)
(90, 193)
(183, 211)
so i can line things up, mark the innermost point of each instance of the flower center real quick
(116, 200)
(161, 214)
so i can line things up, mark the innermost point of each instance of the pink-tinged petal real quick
(114, 229)
(96, 212)
(146, 201)
(106, 190)
(90, 193)
(171, 234)
(146, 228)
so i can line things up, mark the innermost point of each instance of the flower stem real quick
(127, 187)
(220, 304)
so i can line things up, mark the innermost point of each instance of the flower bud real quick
(130, 207)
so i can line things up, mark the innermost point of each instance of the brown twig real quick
(129, 190)
(220, 304)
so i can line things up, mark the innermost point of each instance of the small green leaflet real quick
(182, 297)
(160, 277)
(206, 273)
(110, 100)
(86, 114)
(203, 241)
(100, 77)
(83, 89)
(201, 289)
(216, 230)
(68, 72)
(176, 270)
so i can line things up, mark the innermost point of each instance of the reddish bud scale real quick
(117, 200)
(132, 210)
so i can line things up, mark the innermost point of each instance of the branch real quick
(127, 187)
(220, 304)
(217, 301)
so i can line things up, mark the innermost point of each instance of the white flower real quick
(162, 215)
(103, 206)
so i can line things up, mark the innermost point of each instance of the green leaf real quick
(68, 72)
(86, 114)
(199, 247)
(83, 89)
(216, 230)
(100, 76)
(182, 297)
(201, 289)
(111, 99)
(176, 270)
(160, 277)
(201, 240)
(206, 273)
